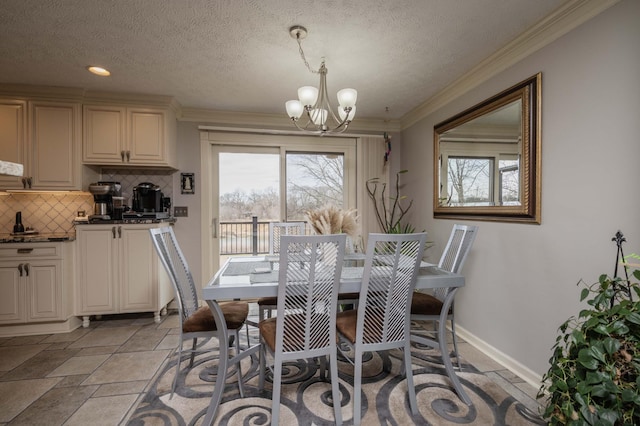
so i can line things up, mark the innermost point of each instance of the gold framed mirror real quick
(487, 158)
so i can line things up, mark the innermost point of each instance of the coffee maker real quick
(147, 198)
(104, 194)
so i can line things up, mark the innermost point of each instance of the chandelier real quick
(313, 103)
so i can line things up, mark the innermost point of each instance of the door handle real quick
(26, 269)
(128, 156)
(122, 155)
(214, 231)
(20, 269)
(113, 231)
(119, 231)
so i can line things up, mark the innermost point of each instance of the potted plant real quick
(390, 209)
(594, 377)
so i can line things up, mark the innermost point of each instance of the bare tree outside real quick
(313, 181)
(470, 180)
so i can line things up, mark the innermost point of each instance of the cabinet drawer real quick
(28, 251)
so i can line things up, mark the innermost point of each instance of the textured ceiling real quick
(237, 55)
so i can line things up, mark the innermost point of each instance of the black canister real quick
(18, 227)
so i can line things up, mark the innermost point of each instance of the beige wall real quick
(521, 279)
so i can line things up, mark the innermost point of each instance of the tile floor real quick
(96, 375)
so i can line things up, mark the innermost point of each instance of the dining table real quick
(251, 277)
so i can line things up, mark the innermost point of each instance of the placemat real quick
(244, 268)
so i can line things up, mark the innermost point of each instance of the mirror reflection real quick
(487, 158)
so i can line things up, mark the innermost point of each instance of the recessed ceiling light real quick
(102, 72)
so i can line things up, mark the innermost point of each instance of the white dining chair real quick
(381, 320)
(266, 305)
(196, 322)
(427, 307)
(305, 324)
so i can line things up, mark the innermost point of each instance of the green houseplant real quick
(594, 377)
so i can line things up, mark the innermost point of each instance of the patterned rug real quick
(306, 399)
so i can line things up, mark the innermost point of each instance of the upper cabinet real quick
(13, 136)
(129, 136)
(45, 137)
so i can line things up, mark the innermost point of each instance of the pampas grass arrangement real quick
(332, 220)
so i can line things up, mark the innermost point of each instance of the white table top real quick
(245, 285)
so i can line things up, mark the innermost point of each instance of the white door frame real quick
(211, 143)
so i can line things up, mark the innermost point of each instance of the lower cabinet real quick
(35, 286)
(119, 271)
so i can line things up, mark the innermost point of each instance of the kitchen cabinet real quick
(34, 283)
(44, 136)
(118, 271)
(13, 136)
(132, 136)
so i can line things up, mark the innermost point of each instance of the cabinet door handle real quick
(122, 155)
(113, 231)
(20, 269)
(29, 179)
(24, 250)
(119, 231)
(24, 183)
(26, 269)
(128, 156)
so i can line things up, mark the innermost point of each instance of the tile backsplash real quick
(44, 212)
(53, 212)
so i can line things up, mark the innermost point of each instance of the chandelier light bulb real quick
(347, 97)
(318, 116)
(294, 109)
(308, 95)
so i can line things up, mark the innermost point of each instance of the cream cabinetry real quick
(118, 271)
(45, 137)
(35, 283)
(13, 136)
(133, 136)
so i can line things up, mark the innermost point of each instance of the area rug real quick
(306, 398)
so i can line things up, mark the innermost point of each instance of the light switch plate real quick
(181, 211)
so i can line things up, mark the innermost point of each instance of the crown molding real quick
(564, 19)
(276, 122)
(25, 91)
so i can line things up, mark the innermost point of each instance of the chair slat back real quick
(389, 277)
(309, 281)
(173, 260)
(278, 229)
(456, 251)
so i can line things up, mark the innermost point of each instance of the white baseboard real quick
(525, 373)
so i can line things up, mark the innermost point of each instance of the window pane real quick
(313, 180)
(509, 182)
(470, 181)
(249, 186)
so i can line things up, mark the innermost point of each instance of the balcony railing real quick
(244, 237)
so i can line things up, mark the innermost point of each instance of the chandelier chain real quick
(304, 58)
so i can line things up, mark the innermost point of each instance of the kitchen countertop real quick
(131, 221)
(37, 238)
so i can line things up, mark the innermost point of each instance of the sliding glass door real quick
(257, 179)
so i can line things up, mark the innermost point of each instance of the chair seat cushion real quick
(347, 322)
(235, 314)
(425, 304)
(268, 301)
(348, 296)
(291, 342)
